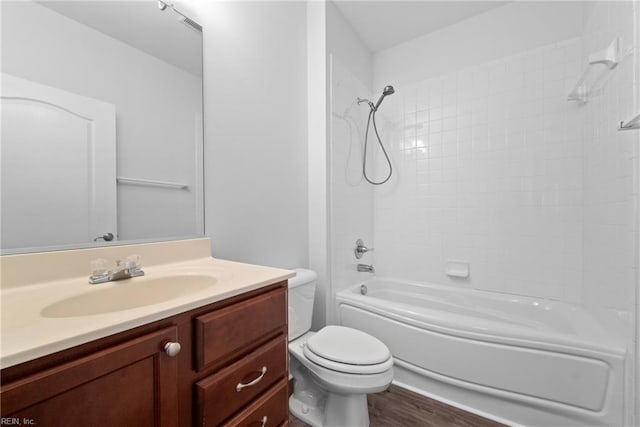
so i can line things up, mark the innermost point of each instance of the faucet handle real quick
(360, 249)
(99, 268)
(133, 263)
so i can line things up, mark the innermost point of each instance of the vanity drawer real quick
(272, 409)
(225, 333)
(218, 395)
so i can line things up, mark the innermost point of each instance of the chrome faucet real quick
(131, 267)
(366, 268)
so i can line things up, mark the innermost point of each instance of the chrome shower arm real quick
(361, 100)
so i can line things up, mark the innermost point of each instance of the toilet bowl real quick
(333, 369)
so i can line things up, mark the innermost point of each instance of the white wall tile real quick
(609, 168)
(497, 181)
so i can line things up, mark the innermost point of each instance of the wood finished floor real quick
(397, 407)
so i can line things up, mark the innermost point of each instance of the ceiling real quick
(142, 25)
(382, 24)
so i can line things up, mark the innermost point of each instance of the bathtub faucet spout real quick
(366, 268)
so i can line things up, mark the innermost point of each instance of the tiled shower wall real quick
(611, 175)
(489, 170)
(610, 159)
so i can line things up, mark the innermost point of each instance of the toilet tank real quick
(302, 290)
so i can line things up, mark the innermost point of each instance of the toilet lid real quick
(348, 350)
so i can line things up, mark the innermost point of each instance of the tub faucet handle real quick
(360, 249)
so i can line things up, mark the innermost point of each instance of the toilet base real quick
(351, 410)
(334, 411)
(320, 408)
(309, 413)
(308, 400)
(331, 410)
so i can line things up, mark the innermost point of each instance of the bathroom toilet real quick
(333, 369)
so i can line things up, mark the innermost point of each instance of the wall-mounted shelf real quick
(152, 183)
(632, 124)
(610, 57)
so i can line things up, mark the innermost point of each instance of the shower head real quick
(190, 23)
(388, 90)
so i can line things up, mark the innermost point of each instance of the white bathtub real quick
(516, 359)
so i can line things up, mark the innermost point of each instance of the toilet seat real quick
(348, 350)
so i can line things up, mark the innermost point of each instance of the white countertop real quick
(27, 334)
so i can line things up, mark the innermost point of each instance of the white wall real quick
(500, 32)
(46, 47)
(344, 44)
(636, 91)
(351, 200)
(331, 40)
(255, 131)
(351, 196)
(317, 158)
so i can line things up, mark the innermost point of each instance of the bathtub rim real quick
(611, 346)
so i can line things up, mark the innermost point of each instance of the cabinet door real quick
(131, 384)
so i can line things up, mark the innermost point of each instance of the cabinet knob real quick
(172, 348)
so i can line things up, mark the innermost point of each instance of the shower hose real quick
(372, 117)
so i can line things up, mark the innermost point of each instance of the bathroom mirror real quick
(102, 134)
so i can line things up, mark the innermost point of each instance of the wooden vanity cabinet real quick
(130, 384)
(231, 370)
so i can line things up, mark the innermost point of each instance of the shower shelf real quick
(634, 123)
(610, 57)
(152, 183)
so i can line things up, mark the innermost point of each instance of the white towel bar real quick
(152, 183)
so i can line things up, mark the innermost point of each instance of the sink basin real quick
(127, 294)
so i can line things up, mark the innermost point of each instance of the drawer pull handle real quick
(240, 386)
(264, 421)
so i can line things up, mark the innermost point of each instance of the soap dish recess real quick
(457, 268)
